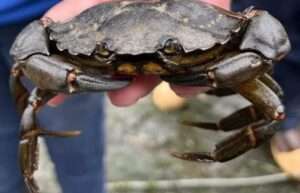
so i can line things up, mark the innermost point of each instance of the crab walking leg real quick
(263, 98)
(29, 136)
(237, 120)
(250, 114)
(57, 76)
(272, 84)
(17, 89)
(267, 106)
(264, 88)
(235, 145)
(268, 113)
(60, 76)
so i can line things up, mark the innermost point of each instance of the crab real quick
(185, 42)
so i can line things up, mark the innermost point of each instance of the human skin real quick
(141, 85)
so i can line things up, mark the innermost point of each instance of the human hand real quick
(141, 85)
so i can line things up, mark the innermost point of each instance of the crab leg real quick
(29, 136)
(235, 145)
(17, 89)
(237, 120)
(56, 76)
(260, 122)
(250, 114)
(263, 98)
(272, 84)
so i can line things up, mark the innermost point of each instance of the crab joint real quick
(212, 78)
(279, 113)
(16, 72)
(71, 80)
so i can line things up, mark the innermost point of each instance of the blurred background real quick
(139, 139)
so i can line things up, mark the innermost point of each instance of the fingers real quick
(140, 87)
(66, 10)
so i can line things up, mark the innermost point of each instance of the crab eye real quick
(172, 46)
(103, 50)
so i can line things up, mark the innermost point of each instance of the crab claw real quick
(90, 83)
(66, 79)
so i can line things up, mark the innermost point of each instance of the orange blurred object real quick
(165, 99)
(288, 161)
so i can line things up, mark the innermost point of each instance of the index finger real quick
(67, 9)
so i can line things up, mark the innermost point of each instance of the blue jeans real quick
(79, 161)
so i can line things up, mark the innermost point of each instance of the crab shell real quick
(143, 27)
(136, 27)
